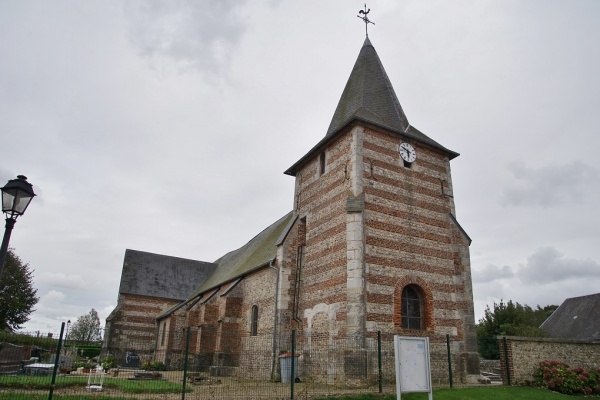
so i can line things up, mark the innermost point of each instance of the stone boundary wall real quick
(525, 353)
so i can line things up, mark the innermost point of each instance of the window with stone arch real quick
(164, 333)
(413, 308)
(254, 321)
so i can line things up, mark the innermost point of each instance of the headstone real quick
(132, 359)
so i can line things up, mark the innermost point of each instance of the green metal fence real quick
(289, 366)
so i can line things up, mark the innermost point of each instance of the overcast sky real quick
(165, 126)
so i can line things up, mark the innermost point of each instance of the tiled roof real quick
(576, 318)
(149, 274)
(257, 253)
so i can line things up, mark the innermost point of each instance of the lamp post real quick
(16, 196)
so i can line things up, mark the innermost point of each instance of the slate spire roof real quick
(369, 94)
(370, 98)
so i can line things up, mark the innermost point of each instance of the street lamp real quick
(16, 196)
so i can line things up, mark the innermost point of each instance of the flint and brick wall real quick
(374, 226)
(133, 326)
(225, 319)
(321, 198)
(170, 343)
(410, 239)
(524, 354)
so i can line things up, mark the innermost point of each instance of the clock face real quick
(407, 152)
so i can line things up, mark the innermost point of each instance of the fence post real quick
(292, 378)
(56, 360)
(506, 363)
(379, 362)
(449, 358)
(185, 362)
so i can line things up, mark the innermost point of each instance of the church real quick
(372, 245)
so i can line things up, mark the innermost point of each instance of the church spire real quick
(369, 95)
(369, 98)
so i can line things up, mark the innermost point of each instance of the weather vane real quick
(365, 18)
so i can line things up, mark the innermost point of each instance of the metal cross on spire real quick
(365, 18)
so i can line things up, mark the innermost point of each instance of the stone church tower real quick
(380, 248)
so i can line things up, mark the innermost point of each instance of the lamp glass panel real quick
(22, 201)
(15, 201)
(8, 198)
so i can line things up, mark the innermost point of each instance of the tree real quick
(86, 328)
(509, 319)
(17, 294)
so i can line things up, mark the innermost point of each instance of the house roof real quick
(576, 318)
(370, 98)
(258, 252)
(155, 275)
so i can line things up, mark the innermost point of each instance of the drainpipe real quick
(275, 319)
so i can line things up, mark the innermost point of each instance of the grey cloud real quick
(5, 175)
(192, 34)
(61, 280)
(548, 277)
(548, 265)
(491, 273)
(551, 185)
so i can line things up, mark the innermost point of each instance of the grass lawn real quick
(44, 396)
(472, 393)
(26, 388)
(64, 382)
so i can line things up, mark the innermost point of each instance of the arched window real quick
(164, 332)
(254, 321)
(321, 163)
(412, 308)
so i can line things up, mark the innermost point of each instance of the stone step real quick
(493, 377)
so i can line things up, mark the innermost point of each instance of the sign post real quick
(413, 368)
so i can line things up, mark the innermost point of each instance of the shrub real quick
(108, 362)
(560, 377)
(83, 364)
(88, 350)
(22, 339)
(154, 366)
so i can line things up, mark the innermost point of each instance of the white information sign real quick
(413, 370)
